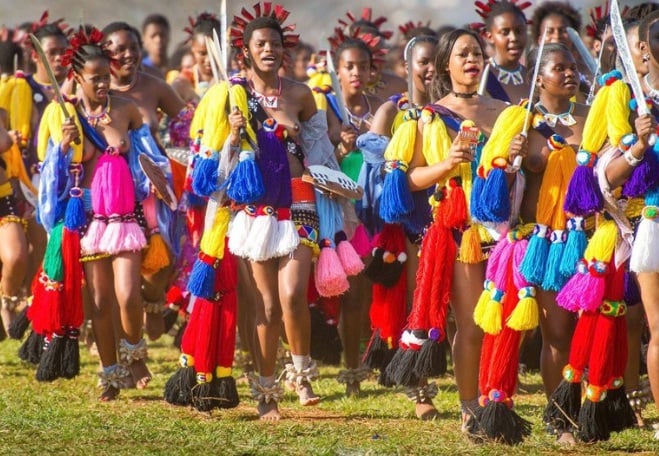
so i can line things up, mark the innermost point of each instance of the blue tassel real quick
(396, 201)
(476, 198)
(204, 175)
(74, 216)
(554, 280)
(496, 207)
(574, 247)
(245, 183)
(535, 259)
(202, 280)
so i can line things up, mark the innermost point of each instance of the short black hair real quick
(645, 23)
(352, 43)
(156, 19)
(49, 30)
(120, 26)
(503, 7)
(563, 9)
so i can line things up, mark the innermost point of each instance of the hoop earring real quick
(646, 57)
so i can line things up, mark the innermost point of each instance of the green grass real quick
(65, 417)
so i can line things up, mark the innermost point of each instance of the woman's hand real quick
(236, 121)
(461, 151)
(645, 126)
(348, 137)
(70, 134)
(519, 147)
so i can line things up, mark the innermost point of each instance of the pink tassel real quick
(149, 211)
(331, 279)
(352, 264)
(583, 291)
(112, 186)
(360, 241)
(518, 256)
(122, 237)
(91, 241)
(500, 275)
(493, 260)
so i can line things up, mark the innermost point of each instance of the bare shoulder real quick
(154, 82)
(492, 104)
(384, 118)
(296, 90)
(581, 110)
(374, 102)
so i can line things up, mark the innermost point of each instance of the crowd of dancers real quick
(430, 189)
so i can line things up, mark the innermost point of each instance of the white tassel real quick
(288, 239)
(645, 251)
(238, 234)
(262, 242)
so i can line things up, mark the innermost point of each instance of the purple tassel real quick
(643, 178)
(273, 163)
(584, 196)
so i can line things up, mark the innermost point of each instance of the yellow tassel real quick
(6, 189)
(508, 125)
(238, 97)
(399, 118)
(212, 242)
(51, 128)
(6, 89)
(16, 167)
(156, 256)
(491, 321)
(215, 119)
(602, 244)
(525, 315)
(436, 140)
(479, 310)
(470, 247)
(617, 112)
(401, 146)
(20, 110)
(222, 372)
(595, 129)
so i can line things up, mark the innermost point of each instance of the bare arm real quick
(384, 119)
(619, 170)
(421, 175)
(169, 101)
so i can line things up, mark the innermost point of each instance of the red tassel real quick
(72, 312)
(455, 214)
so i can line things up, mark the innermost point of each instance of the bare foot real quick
(268, 411)
(110, 393)
(139, 373)
(426, 411)
(566, 439)
(306, 394)
(7, 317)
(154, 325)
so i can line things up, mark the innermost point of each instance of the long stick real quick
(529, 107)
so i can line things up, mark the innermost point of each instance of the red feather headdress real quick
(82, 37)
(408, 26)
(193, 22)
(373, 42)
(484, 10)
(277, 12)
(367, 16)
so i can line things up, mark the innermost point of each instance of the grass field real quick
(66, 418)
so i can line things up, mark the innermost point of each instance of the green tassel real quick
(52, 260)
